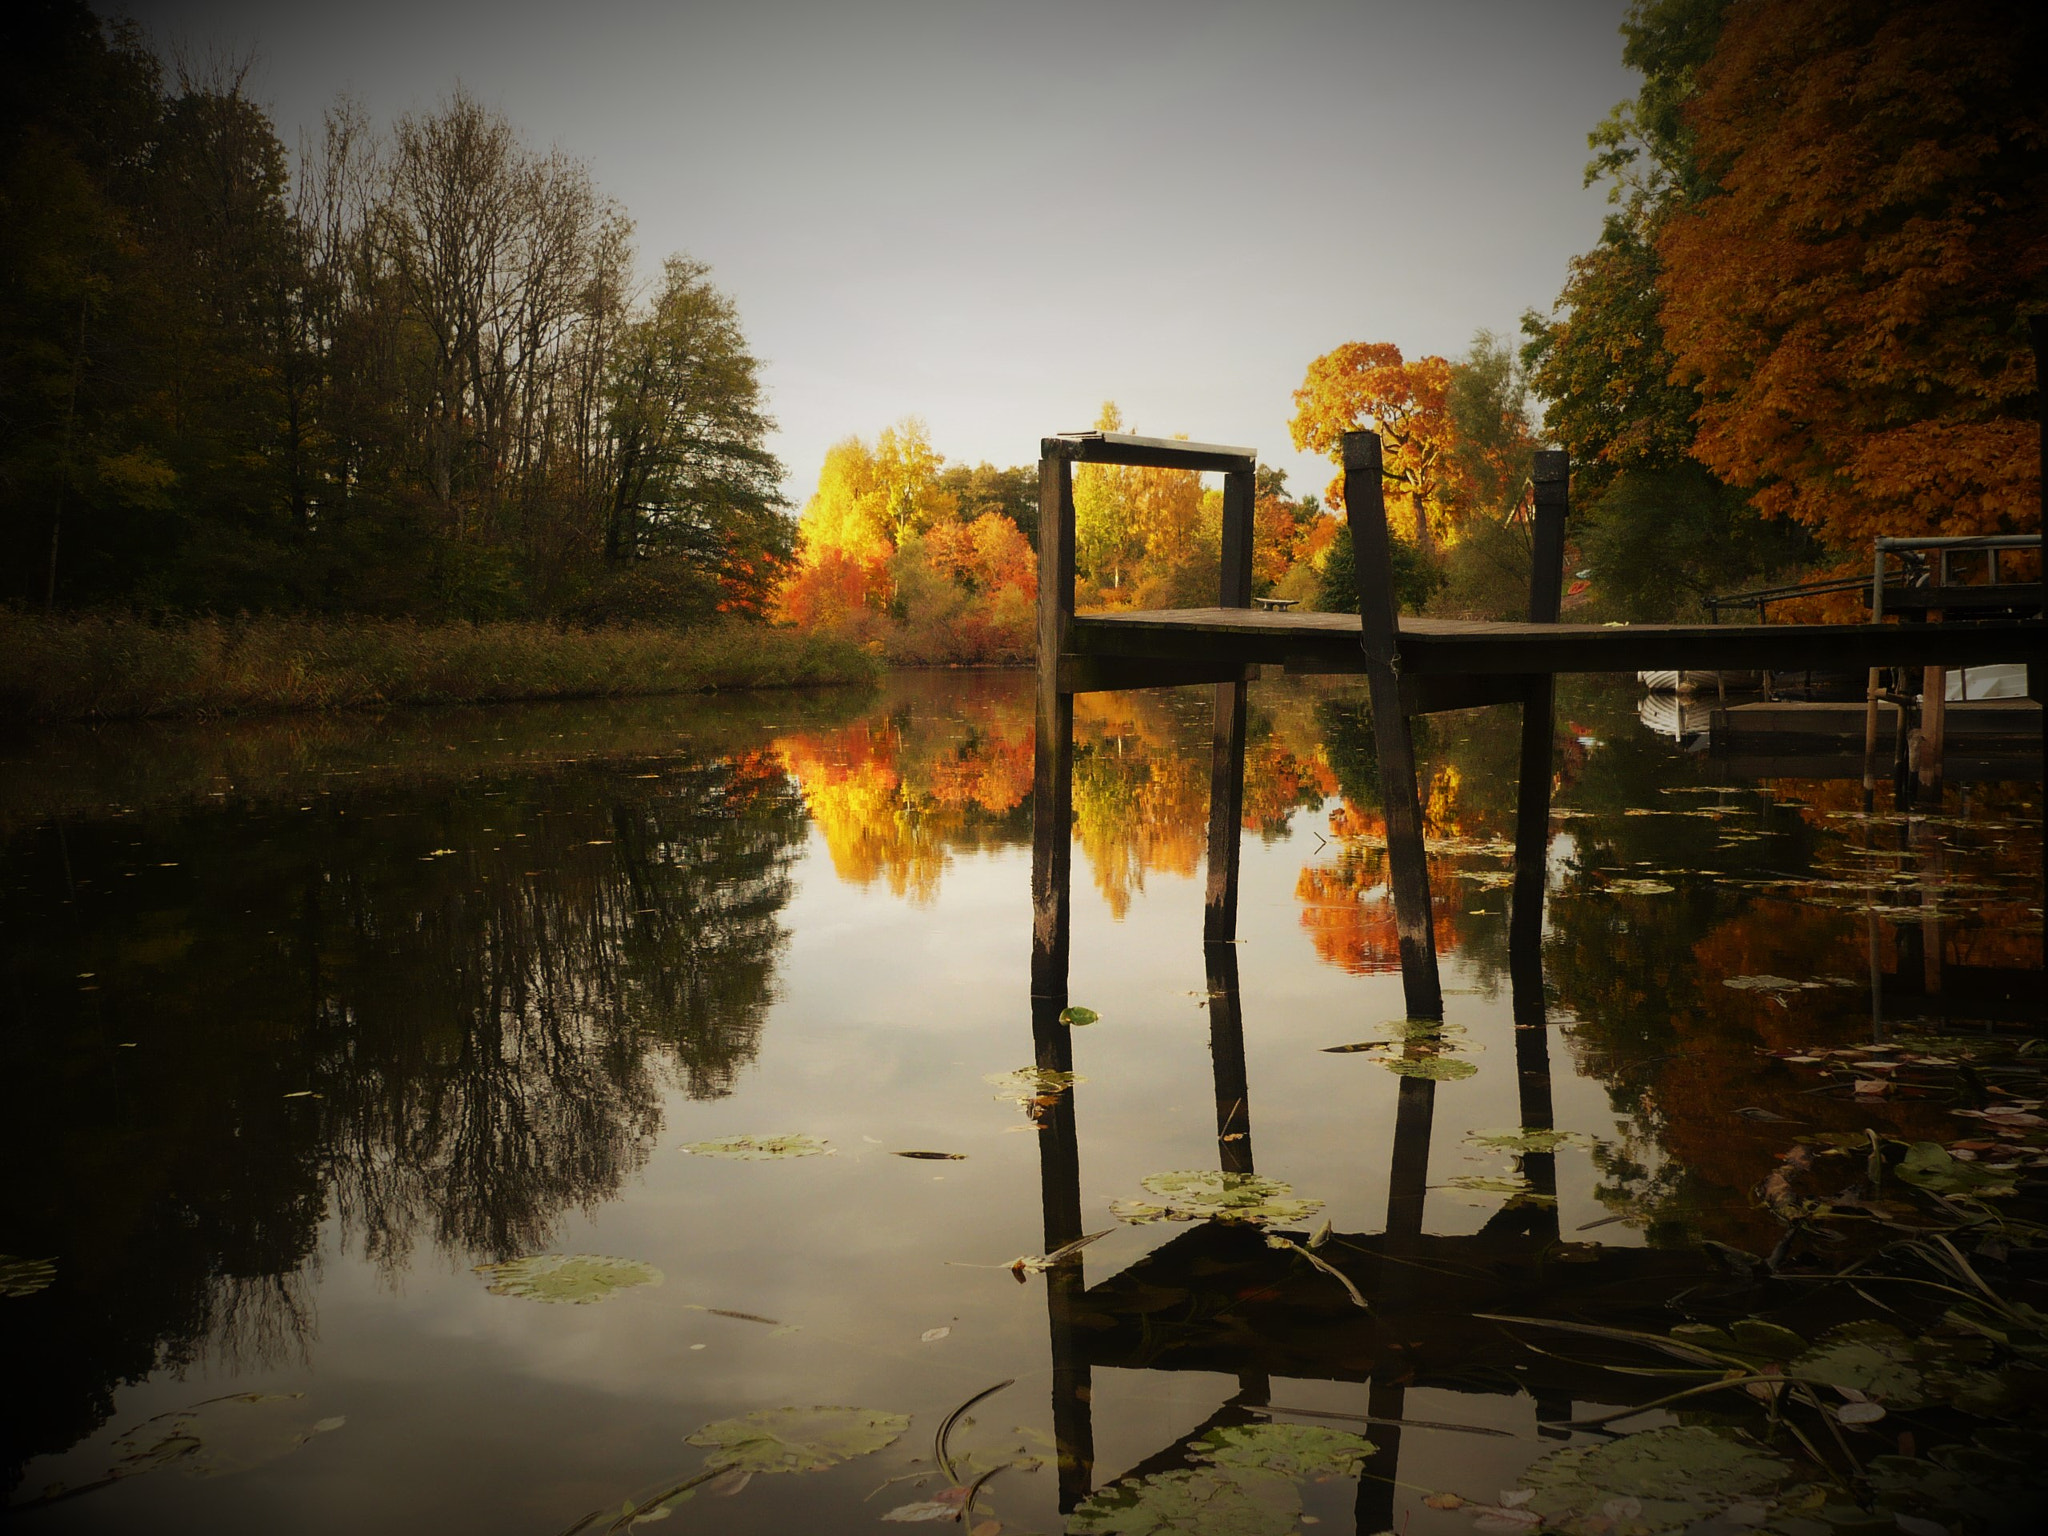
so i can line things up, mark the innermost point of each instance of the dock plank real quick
(1329, 642)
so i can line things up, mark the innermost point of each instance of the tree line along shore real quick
(404, 417)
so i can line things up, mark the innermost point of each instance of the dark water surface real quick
(303, 1021)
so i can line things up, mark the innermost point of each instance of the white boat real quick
(1969, 684)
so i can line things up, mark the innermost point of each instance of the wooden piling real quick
(1052, 769)
(1546, 595)
(1400, 801)
(1226, 757)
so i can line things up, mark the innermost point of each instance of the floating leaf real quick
(1205, 1499)
(937, 1157)
(1288, 1450)
(1029, 1087)
(1927, 1165)
(24, 1277)
(798, 1439)
(1442, 1069)
(575, 1279)
(1528, 1139)
(1860, 1413)
(933, 1335)
(1762, 984)
(750, 1148)
(1512, 1185)
(1678, 1474)
(1078, 1016)
(220, 1436)
(1874, 1358)
(928, 1509)
(1641, 887)
(1208, 1195)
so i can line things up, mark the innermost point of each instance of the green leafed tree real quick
(691, 478)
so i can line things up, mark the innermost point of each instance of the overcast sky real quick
(996, 216)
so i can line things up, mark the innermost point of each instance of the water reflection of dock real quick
(1218, 1297)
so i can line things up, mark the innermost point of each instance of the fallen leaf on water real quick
(929, 1509)
(797, 1439)
(1761, 983)
(1638, 887)
(750, 1148)
(1207, 1195)
(24, 1277)
(573, 1279)
(1444, 1501)
(1029, 1087)
(1860, 1413)
(933, 1335)
(937, 1157)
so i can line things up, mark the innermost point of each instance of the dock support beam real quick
(1052, 768)
(1226, 762)
(1400, 800)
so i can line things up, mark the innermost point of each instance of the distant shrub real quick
(109, 667)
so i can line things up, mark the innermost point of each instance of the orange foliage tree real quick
(1851, 299)
(885, 557)
(1367, 384)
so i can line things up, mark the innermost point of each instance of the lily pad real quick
(1678, 1474)
(798, 1439)
(1528, 1139)
(1287, 1450)
(1030, 1087)
(1442, 1069)
(1208, 1195)
(752, 1148)
(1874, 1358)
(573, 1279)
(220, 1436)
(24, 1277)
(1927, 1165)
(1208, 1500)
(1640, 887)
(1515, 1187)
(1078, 1016)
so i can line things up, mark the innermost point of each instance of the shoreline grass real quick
(119, 667)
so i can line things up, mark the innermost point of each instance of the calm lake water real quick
(305, 1021)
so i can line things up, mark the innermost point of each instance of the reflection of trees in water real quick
(487, 988)
(492, 1048)
(896, 795)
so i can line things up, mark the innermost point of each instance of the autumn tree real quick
(1368, 384)
(1850, 298)
(1659, 530)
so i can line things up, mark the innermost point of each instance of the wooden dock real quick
(1411, 666)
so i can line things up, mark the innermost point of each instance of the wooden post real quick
(1052, 778)
(1226, 1060)
(1532, 799)
(1239, 492)
(1933, 727)
(1874, 690)
(1226, 758)
(1379, 634)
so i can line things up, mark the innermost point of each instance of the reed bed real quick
(120, 667)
